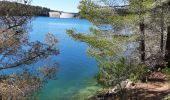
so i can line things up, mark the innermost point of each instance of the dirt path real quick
(155, 89)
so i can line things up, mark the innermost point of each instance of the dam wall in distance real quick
(58, 14)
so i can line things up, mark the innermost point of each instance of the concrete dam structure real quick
(54, 14)
(62, 14)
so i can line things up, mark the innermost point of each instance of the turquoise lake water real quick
(76, 68)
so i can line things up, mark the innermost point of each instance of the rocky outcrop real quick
(127, 84)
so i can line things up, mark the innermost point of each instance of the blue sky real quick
(61, 5)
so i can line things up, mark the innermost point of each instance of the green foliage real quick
(98, 14)
(113, 68)
(114, 72)
(136, 5)
(107, 47)
(100, 45)
(139, 73)
(166, 71)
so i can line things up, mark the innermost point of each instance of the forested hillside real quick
(6, 6)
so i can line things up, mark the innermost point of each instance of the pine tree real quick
(109, 45)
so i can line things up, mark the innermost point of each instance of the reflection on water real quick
(76, 68)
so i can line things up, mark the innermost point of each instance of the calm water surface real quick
(76, 68)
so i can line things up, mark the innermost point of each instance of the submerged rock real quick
(86, 93)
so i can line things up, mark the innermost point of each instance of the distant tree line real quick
(11, 7)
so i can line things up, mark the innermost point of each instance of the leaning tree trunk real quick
(168, 46)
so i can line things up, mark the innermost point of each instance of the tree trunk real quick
(162, 41)
(168, 46)
(167, 56)
(142, 41)
(162, 31)
(142, 31)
